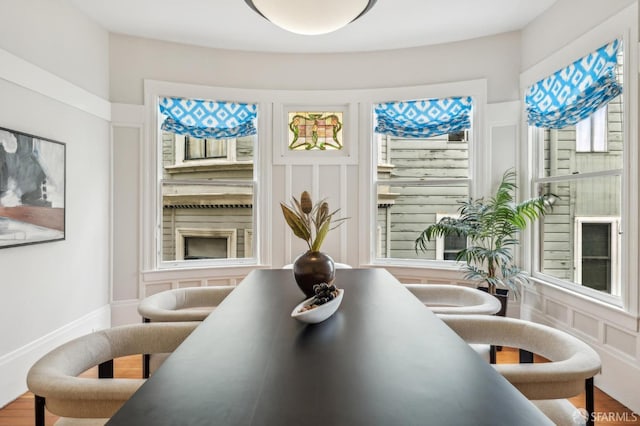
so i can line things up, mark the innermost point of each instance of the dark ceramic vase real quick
(313, 267)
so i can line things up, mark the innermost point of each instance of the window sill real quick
(420, 264)
(585, 301)
(208, 166)
(167, 272)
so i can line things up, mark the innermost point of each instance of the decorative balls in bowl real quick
(321, 306)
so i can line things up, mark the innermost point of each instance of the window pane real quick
(454, 243)
(216, 148)
(581, 199)
(596, 274)
(206, 209)
(192, 200)
(205, 248)
(562, 158)
(599, 129)
(583, 135)
(194, 148)
(595, 239)
(405, 211)
(599, 148)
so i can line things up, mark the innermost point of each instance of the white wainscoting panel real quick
(620, 340)
(586, 324)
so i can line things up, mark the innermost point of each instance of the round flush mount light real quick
(311, 17)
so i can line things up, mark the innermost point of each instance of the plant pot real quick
(311, 268)
(502, 294)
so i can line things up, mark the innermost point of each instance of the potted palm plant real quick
(491, 227)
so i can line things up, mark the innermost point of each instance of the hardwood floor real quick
(609, 412)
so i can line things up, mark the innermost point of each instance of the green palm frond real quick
(491, 226)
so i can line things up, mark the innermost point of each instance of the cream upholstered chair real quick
(82, 400)
(455, 299)
(570, 370)
(181, 304)
(448, 299)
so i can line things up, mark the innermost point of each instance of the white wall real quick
(134, 59)
(51, 58)
(562, 23)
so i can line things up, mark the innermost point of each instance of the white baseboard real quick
(125, 312)
(15, 365)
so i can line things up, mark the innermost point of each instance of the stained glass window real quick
(315, 130)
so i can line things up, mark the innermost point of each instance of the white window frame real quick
(231, 235)
(622, 26)
(614, 240)
(151, 215)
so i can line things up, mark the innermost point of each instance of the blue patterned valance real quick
(574, 93)
(208, 119)
(423, 118)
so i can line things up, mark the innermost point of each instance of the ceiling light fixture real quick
(311, 17)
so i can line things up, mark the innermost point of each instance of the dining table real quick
(383, 358)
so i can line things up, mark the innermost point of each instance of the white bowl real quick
(319, 313)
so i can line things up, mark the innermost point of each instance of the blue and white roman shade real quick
(208, 119)
(423, 118)
(574, 93)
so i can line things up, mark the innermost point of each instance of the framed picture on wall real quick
(32, 189)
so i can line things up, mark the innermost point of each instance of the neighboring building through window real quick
(202, 149)
(207, 194)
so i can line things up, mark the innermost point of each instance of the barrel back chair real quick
(455, 299)
(182, 304)
(57, 385)
(177, 305)
(448, 299)
(570, 370)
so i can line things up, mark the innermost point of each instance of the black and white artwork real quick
(32, 189)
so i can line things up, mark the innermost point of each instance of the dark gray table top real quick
(382, 359)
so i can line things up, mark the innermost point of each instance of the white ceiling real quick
(391, 24)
